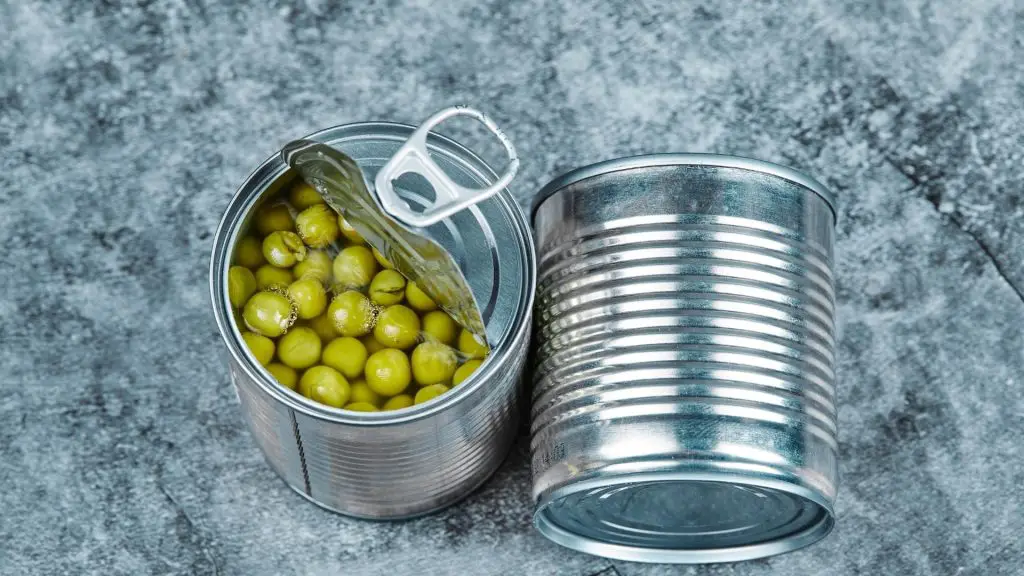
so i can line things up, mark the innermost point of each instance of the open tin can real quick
(683, 397)
(388, 465)
(683, 387)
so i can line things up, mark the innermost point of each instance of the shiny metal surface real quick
(452, 197)
(396, 464)
(684, 390)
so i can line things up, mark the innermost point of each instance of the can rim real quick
(222, 243)
(788, 543)
(683, 159)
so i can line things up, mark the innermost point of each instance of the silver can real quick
(684, 395)
(389, 465)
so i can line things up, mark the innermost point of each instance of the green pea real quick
(346, 355)
(428, 393)
(352, 313)
(261, 347)
(283, 249)
(371, 344)
(317, 226)
(361, 407)
(472, 345)
(387, 288)
(398, 402)
(361, 392)
(433, 363)
(349, 232)
(249, 253)
(274, 219)
(268, 313)
(384, 262)
(397, 327)
(309, 297)
(324, 328)
(325, 385)
(316, 265)
(354, 267)
(299, 348)
(303, 196)
(268, 276)
(418, 299)
(388, 372)
(241, 285)
(465, 371)
(440, 327)
(285, 375)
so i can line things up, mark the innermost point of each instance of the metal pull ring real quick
(451, 197)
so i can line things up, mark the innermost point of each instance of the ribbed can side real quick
(412, 468)
(738, 324)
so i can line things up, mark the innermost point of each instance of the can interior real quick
(490, 242)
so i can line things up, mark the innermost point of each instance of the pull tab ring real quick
(451, 197)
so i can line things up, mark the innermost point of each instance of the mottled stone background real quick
(125, 127)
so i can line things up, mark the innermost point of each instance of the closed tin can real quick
(386, 465)
(684, 393)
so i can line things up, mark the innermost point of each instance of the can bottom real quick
(683, 518)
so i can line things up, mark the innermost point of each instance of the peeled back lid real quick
(389, 224)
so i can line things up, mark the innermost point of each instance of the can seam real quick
(683, 159)
(302, 452)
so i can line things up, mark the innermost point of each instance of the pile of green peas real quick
(329, 317)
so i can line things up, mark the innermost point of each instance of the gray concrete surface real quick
(125, 127)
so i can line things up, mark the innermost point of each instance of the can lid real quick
(683, 518)
(389, 223)
(653, 160)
